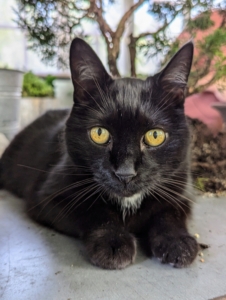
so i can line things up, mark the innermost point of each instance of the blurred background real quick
(132, 38)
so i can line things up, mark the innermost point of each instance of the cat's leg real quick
(108, 244)
(169, 240)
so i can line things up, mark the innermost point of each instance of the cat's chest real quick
(138, 221)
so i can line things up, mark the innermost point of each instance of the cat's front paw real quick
(111, 249)
(176, 251)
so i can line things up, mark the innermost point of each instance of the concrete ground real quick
(39, 264)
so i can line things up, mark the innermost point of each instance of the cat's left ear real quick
(87, 71)
(173, 78)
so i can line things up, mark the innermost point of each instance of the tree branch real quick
(121, 26)
(103, 25)
(133, 41)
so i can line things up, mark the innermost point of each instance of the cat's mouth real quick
(126, 194)
(118, 189)
(124, 191)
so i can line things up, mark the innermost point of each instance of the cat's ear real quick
(87, 71)
(173, 78)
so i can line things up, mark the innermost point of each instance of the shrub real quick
(33, 86)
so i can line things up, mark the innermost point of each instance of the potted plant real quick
(37, 97)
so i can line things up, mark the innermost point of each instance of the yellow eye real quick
(154, 137)
(99, 135)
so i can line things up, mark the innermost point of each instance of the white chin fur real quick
(130, 204)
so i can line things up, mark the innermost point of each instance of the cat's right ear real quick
(87, 71)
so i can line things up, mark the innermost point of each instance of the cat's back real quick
(36, 147)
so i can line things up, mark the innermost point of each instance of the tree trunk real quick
(113, 53)
(113, 66)
(133, 53)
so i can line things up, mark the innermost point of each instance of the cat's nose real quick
(125, 177)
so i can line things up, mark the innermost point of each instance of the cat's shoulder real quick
(53, 115)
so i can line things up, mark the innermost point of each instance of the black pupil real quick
(155, 134)
(99, 132)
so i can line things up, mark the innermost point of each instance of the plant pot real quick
(33, 107)
(10, 94)
(64, 92)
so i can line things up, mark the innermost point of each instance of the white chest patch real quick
(130, 204)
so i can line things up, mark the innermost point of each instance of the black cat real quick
(115, 167)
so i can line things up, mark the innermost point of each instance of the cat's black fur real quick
(79, 188)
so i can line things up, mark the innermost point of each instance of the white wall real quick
(13, 44)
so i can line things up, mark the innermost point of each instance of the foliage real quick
(49, 80)
(202, 22)
(210, 57)
(200, 183)
(34, 86)
(51, 25)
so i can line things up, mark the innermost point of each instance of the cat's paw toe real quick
(178, 252)
(111, 250)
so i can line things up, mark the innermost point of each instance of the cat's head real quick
(132, 133)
